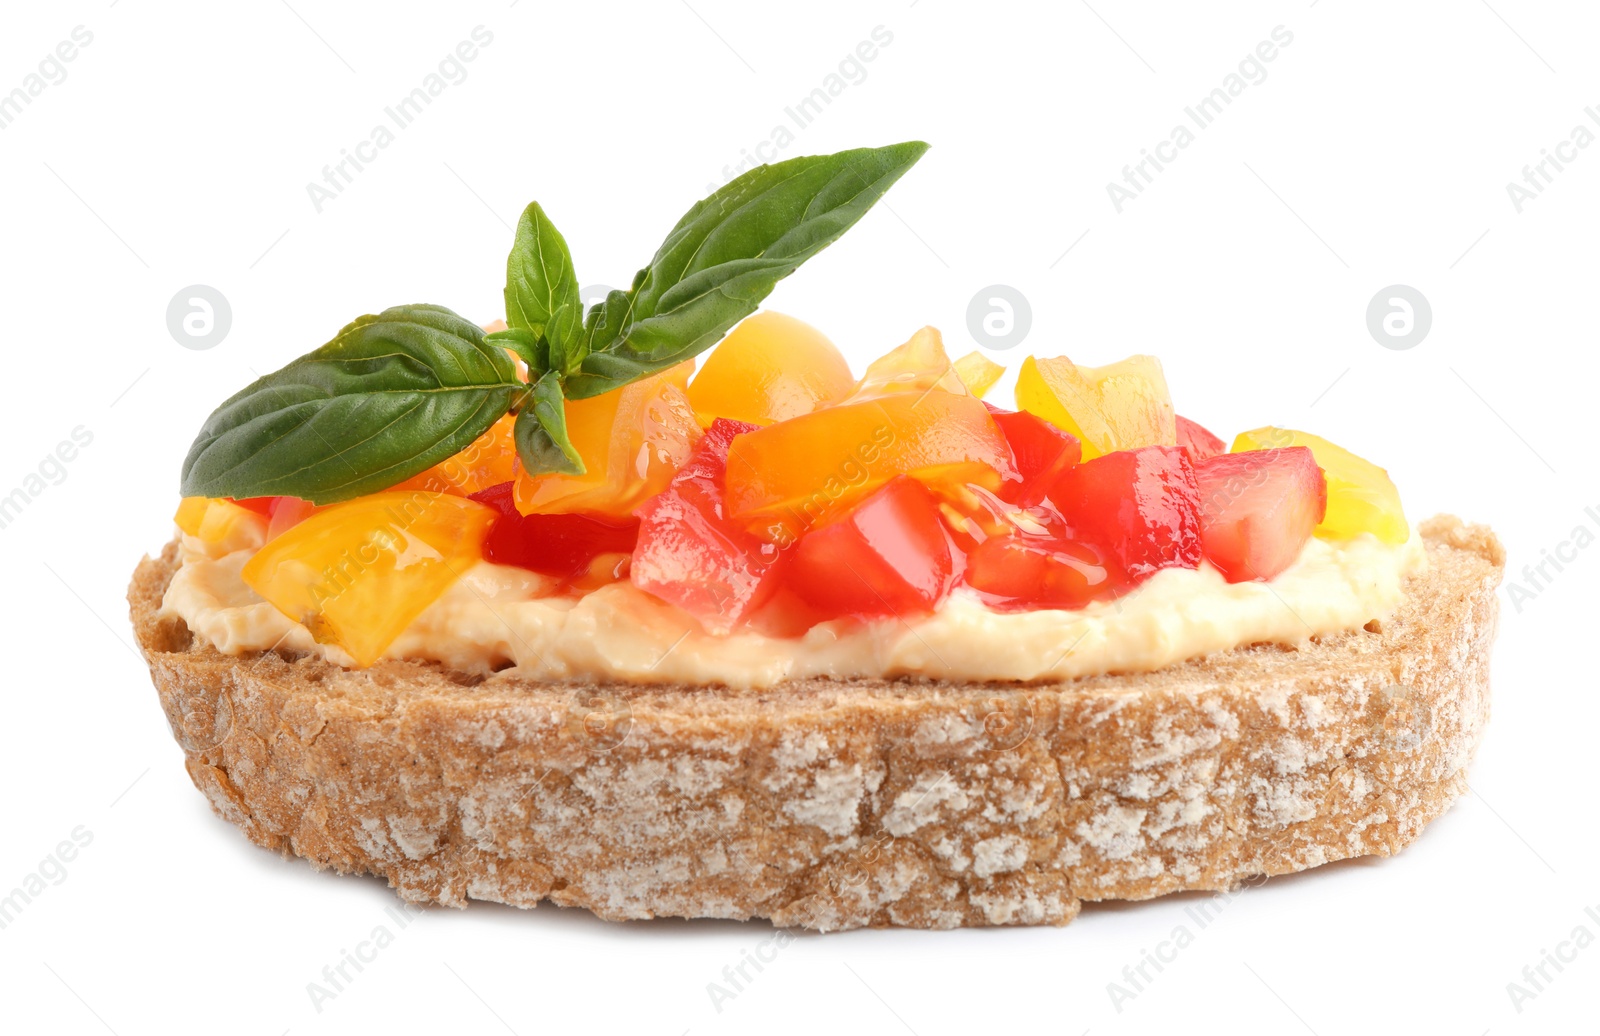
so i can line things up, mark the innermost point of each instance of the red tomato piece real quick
(1142, 505)
(690, 554)
(1200, 443)
(1022, 572)
(1041, 451)
(286, 513)
(1258, 509)
(261, 505)
(887, 555)
(559, 545)
(710, 463)
(501, 497)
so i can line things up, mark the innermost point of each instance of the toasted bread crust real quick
(834, 805)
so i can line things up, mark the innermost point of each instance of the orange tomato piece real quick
(770, 368)
(632, 440)
(357, 573)
(916, 366)
(784, 478)
(488, 460)
(1120, 406)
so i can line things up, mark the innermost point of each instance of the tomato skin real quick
(559, 545)
(1198, 441)
(888, 555)
(1142, 505)
(1018, 573)
(1258, 509)
(691, 554)
(1041, 451)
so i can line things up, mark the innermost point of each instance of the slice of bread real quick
(833, 805)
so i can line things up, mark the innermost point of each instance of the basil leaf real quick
(541, 432)
(726, 254)
(390, 396)
(532, 349)
(540, 278)
(564, 333)
(606, 319)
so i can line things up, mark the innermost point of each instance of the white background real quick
(1376, 151)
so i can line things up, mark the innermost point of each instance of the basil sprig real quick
(396, 393)
(391, 396)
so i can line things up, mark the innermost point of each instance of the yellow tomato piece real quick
(978, 373)
(1119, 406)
(191, 512)
(632, 440)
(770, 368)
(916, 366)
(357, 573)
(488, 460)
(787, 477)
(1361, 496)
(222, 524)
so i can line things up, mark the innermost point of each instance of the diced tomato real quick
(359, 572)
(888, 555)
(561, 545)
(770, 368)
(1200, 443)
(1041, 451)
(1258, 509)
(223, 525)
(1021, 572)
(1120, 406)
(916, 367)
(631, 439)
(709, 463)
(800, 473)
(1362, 498)
(690, 554)
(973, 515)
(1142, 505)
(286, 513)
(259, 504)
(487, 461)
(978, 373)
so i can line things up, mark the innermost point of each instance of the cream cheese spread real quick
(496, 616)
